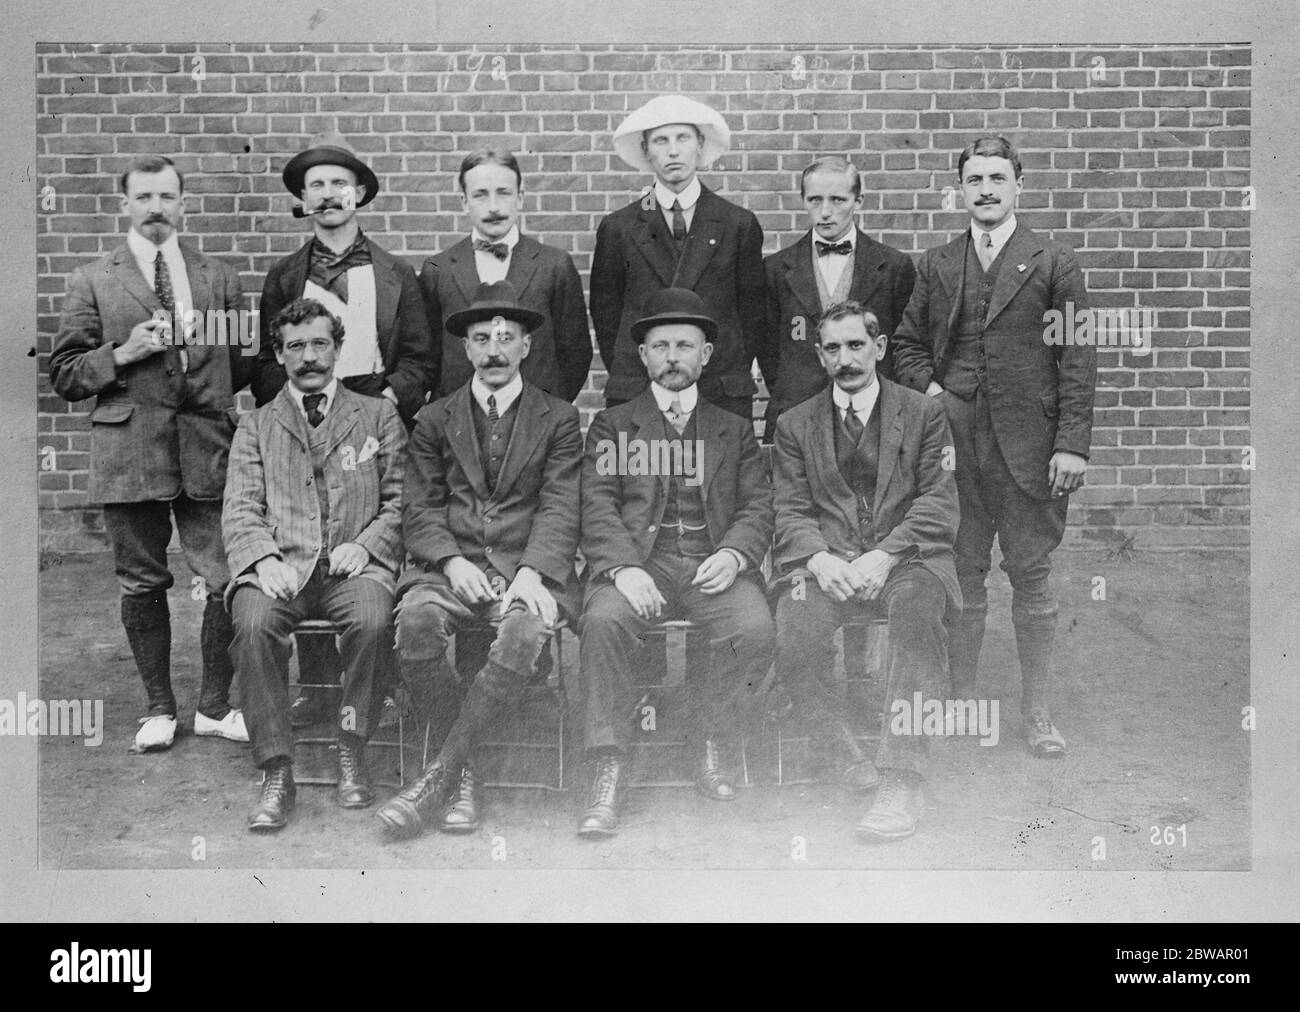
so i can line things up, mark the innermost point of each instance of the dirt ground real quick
(1148, 689)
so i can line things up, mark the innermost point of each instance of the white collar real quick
(146, 252)
(863, 401)
(511, 238)
(664, 397)
(329, 390)
(687, 197)
(505, 396)
(1000, 234)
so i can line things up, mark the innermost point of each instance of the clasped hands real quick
(472, 586)
(862, 578)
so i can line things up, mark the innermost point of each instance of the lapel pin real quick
(713, 242)
(1021, 267)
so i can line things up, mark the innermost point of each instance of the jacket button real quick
(851, 553)
(488, 549)
(652, 529)
(487, 520)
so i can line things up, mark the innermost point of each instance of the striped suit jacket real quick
(271, 506)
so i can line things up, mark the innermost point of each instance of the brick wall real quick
(1138, 157)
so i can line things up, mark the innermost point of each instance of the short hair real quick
(303, 311)
(493, 156)
(842, 311)
(645, 134)
(151, 164)
(833, 163)
(989, 147)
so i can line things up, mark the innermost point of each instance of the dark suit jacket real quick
(545, 281)
(154, 431)
(532, 518)
(410, 367)
(915, 508)
(722, 264)
(1040, 395)
(882, 282)
(271, 509)
(621, 513)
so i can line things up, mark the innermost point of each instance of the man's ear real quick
(706, 353)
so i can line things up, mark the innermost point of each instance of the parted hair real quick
(843, 310)
(303, 311)
(495, 156)
(150, 164)
(989, 147)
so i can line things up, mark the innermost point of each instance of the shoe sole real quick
(704, 791)
(218, 734)
(875, 836)
(597, 834)
(268, 827)
(353, 804)
(460, 829)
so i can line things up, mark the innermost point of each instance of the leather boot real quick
(839, 758)
(147, 622)
(600, 818)
(277, 800)
(404, 815)
(898, 807)
(461, 814)
(714, 782)
(215, 635)
(354, 788)
(965, 640)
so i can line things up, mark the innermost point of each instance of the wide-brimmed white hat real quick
(672, 109)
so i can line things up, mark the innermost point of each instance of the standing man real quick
(160, 433)
(312, 528)
(683, 541)
(1020, 410)
(834, 262)
(866, 516)
(679, 235)
(490, 519)
(544, 278)
(389, 352)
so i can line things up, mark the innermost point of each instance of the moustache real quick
(848, 370)
(495, 363)
(156, 219)
(983, 203)
(307, 370)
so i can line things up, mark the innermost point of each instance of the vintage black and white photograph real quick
(692, 456)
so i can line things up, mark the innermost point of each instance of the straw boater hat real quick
(492, 300)
(329, 148)
(672, 109)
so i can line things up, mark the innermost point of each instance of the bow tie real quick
(498, 249)
(843, 248)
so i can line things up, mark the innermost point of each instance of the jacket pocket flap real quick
(113, 413)
(1050, 408)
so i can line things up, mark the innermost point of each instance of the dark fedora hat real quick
(329, 148)
(492, 300)
(675, 305)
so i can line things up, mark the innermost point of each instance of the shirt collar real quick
(687, 197)
(851, 238)
(146, 252)
(511, 238)
(329, 389)
(664, 396)
(1000, 234)
(863, 401)
(506, 396)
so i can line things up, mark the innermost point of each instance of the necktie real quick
(676, 415)
(853, 426)
(679, 223)
(493, 417)
(498, 249)
(312, 403)
(843, 248)
(986, 250)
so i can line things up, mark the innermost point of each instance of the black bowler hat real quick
(492, 300)
(329, 148)
(675, 305)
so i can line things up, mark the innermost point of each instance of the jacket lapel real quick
(463, 441)
(891, 440)
(648, 424)
(798, 264)
(867, 263)
(705, 235)
(952, 261)
(126, 271)
(342, 418)
(388, 293)
(528, 431)
(523, 265)
(286, 414)
(464, 269)
(650, 234)
(821, 442)
(294, 279)
(1018, 265)
(711, 433)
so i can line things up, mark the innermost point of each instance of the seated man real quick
(312, 528)
(685, 540)
(490, 519)
(866, 511)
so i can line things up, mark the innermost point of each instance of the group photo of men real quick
(497, 462)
